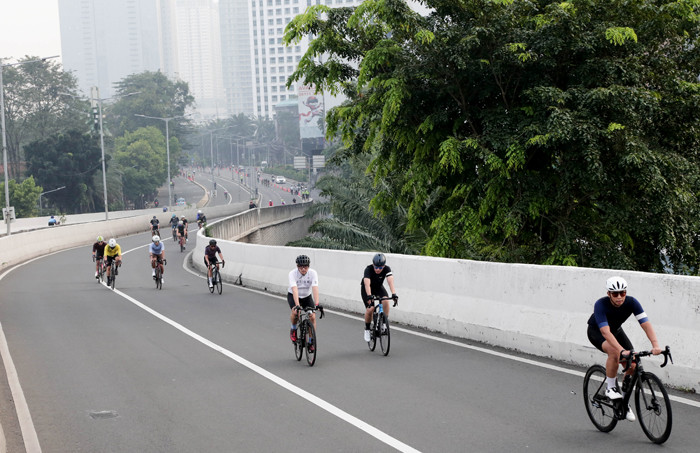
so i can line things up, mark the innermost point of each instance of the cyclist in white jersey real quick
(302, 291)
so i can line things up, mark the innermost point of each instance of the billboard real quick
(311, 112)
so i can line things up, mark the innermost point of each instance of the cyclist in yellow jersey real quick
(112, 253)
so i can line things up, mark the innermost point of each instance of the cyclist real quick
(98, 251)
(156, 251)
(173, 224)
(181, 230)
(373, 284)
(210, 252)
(201, 219)
(113, 252)
(184, 221)
(605, 333)
(154, 225)
(302, 292)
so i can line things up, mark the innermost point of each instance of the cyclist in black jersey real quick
(373, 285)
(605, 332)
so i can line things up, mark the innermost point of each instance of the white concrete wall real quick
(30, 244)
(540, 310)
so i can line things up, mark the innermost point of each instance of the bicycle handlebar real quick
(317, 307)
(633, 357)
(393, 297)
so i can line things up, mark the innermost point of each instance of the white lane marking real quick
(328, 407)
(394, 327)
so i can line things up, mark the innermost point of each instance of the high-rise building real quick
(255, 82)
(103, 41)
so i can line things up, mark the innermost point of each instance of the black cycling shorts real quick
(307, 301)
(381, 292)
(109, 259)
(213, 260)
(597, 339)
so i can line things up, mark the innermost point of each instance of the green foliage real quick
(24, 197)
(34, 110)
(69, 160)
(536, 132)
(141, 156)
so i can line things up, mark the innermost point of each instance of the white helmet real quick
(616, 284)
(155, 238)
(199, 212)
(112, 242)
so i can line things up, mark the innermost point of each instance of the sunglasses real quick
(379, 267)
(618, 293)
(302, 265)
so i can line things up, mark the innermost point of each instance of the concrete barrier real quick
(540, 310)
(26, 245)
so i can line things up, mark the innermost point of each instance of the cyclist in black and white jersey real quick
(373, 285)
(302, 291)
(605, 331)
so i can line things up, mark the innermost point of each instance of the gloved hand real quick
(396, 299)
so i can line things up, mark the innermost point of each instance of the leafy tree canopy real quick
(151, 94)
(34, 109)
(523, 131)
(24, 197)
(69, 160)
(141, 155)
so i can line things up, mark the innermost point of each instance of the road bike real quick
(100, 269)
(183, 241)
(306, 334)
(155, 232)
(216, 277)
(379, 327)
(159, 272)
(112, 274)
(650, 398)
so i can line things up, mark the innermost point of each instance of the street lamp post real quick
(167, 148)
(4, 139)
(95, 97)
(44, 193)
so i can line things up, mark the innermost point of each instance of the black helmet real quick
(212, 241)
(379, 260)
(303, 260)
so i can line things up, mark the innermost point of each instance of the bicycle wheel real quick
(182, 246)
(159, 283)
(112, 274)
(598, 406)
(372, 343)
(299, 344)
(653, 408)
(219, 284)
(384, 333)
(309, 341)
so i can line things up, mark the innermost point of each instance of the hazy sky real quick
(29, 27)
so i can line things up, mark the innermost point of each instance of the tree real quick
(536, 132)
(24, 197)
(156, 96)
(141, 156)
(346, 220)
(33, 108)
(69, 160)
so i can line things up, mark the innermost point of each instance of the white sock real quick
(611, 382)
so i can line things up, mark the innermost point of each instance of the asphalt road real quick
(183, 370)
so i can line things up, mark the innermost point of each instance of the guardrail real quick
(540, 310)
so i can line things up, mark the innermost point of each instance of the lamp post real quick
(44, 193)
(95, 98)
(4, 139)
(167, 148)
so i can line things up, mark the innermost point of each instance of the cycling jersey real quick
(376, 280)
(181, 229)
(156, 249)
(302, 282)
(211, 252)
(174, 222)
(116, 251)
(99, 249)
(606, 314)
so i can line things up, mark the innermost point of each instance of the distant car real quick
(180, 202)
(280, 180)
